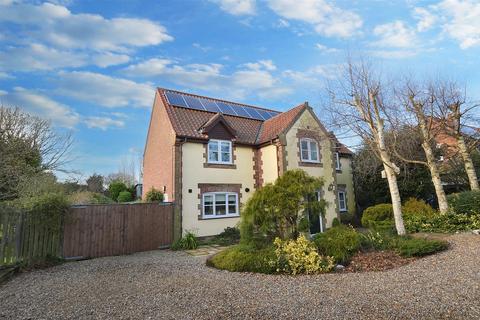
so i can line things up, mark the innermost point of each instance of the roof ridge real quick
(221, 100)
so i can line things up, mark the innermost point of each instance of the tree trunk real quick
(467, 160)
(391, 175)
(437, 182)
(396, 200)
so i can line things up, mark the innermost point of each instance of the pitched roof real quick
(276, 125)
(190, 123)
(340, 147)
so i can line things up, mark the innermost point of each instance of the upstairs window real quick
(309, 150)
(220, 151)
(337, 161)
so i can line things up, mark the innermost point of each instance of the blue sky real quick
(92, 66)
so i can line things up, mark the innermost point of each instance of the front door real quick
(315, 218)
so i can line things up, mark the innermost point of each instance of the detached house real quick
(208, 156)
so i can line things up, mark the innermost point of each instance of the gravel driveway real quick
(174, 285)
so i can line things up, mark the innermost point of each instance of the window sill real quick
(220, 165)
(344, 211)
(200, 217)
(310, 164)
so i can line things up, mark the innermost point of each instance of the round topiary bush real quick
(154, 195)
(244, 258)
(124, 196)
(415, 207)
(378, 216)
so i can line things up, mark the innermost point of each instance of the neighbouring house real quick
(209, 155)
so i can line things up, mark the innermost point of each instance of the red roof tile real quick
(276, 125)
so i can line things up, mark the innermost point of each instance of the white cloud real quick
(426, 19)
(250, 78)
(39, 57)
(4, 75)
(458, 19)
(103, 123)
(313, 77)
(462, 21)
(261, 64)
(58, 26)
(109, 59)
(237, 7)
(395, 35)
(327, 19)
(324, 48)
(41, 106)
(104, 90)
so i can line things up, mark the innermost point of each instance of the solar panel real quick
(211, 105)
(266, 115)
(253, 113)
(194, 103)
(225, 108)
(176, 99)
(240, 111)
(186, 101)
(273, 113)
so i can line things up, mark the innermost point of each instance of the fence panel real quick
(23, 238)
(106, 230)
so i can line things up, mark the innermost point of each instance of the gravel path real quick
(174, 285)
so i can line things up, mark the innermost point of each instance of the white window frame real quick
(344, 209)
(214, 215)
(219, 151)
(338, 165)
(309, 150)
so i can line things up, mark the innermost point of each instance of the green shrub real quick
(154, 195)
(124, 196)
(48, 209)
(335, 222)
(347, 218)
(374, 240)
(228, 236)
(467, 202)
(187, 242)
(87, 197)
(376, 215)
(280, 209)
(340, 242)
(415, 207)
(245, 258)
(300, 257)
(115, 188)
(443, 223)
(416, 247)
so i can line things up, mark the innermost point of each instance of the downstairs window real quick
(219, 204)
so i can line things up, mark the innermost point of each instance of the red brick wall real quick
(158, 160)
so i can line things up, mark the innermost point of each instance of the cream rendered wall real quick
(269, 164)
(194, 173)
(346, 177)
(308, 122)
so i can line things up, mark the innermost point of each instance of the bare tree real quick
(54, 147)
(361, 104)
(419, 104)
(456, 115)
(29, 146)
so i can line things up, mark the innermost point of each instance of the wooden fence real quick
(24, 239)
(107, 230)
(88, 232)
